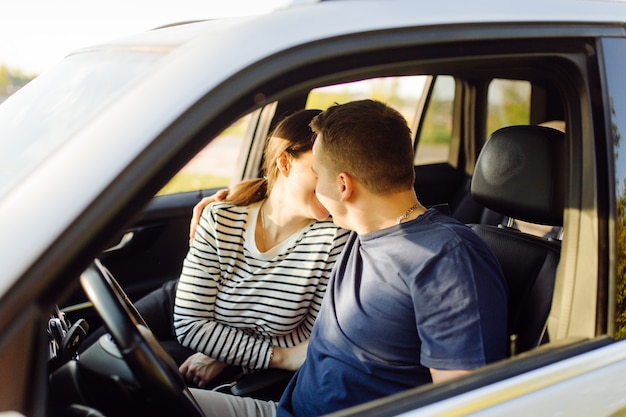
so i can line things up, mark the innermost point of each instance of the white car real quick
(104, 156)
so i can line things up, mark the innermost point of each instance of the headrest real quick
(521, 173)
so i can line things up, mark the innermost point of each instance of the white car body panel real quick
(587, 385)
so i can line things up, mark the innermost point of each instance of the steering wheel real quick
(151, 365)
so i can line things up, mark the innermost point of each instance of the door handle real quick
(125, 240)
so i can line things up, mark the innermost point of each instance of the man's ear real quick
(283, 163)
(346, 186)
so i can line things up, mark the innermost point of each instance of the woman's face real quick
(300, 183)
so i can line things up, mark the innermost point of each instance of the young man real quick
(415, 297)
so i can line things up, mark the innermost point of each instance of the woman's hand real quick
(199, 369)
(289, 358)
(197, 210)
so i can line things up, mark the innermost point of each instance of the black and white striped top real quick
(233, 302)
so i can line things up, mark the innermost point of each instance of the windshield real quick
(44, 114)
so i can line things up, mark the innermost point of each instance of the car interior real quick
(516, 159)
(480, 155)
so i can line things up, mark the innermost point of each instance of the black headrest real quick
(520, 173)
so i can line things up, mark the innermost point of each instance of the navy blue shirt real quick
(427, 293)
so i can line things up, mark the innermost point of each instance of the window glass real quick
(401, 93)
(58, 106)
(615, 59)
(508, 104)
(435, 135)
(215, 165)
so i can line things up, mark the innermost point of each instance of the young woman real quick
(257, 268)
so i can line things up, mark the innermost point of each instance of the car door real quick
(580, 372)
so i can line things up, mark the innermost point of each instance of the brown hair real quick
(369, 141)
(292, 135)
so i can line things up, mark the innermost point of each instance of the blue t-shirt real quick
(427, 293)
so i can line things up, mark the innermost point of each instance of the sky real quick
(36, 34)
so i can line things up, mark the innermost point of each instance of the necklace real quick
(406, 214)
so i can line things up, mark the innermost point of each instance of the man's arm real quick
(440, 375)
(199, 208)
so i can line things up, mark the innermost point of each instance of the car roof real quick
(459, 11)
(311, 19)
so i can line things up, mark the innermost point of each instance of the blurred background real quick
(36, 34)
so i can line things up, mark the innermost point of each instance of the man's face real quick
(327, 188)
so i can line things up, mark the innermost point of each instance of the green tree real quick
(509, 105)
(12, 80)
(620, 225)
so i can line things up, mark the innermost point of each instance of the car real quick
(103, 157)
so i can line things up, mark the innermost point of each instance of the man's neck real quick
(376, 212)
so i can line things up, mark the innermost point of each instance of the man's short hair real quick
(369, 141)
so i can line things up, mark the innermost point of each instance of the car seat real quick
(521, 173)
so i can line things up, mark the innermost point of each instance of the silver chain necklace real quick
(405, 216)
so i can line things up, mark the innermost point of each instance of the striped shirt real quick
(233, 302)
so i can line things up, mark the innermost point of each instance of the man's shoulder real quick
(446, 223)
(438, 232)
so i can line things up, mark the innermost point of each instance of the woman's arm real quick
(289, 358)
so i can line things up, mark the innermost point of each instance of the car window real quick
(615, 61)
(215, 165)
(402, 93)
(405, 94)
(508, 104)
(95, 84)
(435, 133)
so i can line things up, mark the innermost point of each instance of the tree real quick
(12, 80)
(620, 226)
